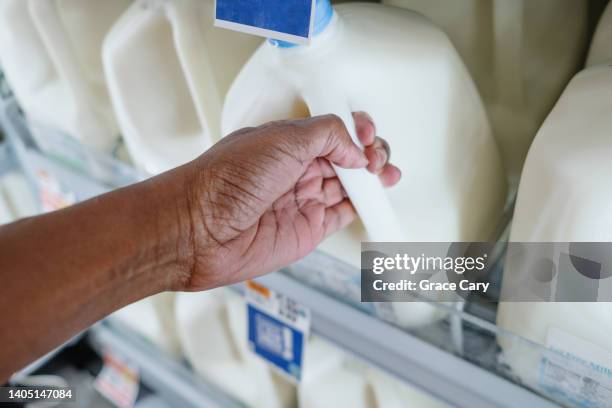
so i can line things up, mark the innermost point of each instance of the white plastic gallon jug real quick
(521, 54)
(153, 318)
(563, 198)
(18, 195)
(601, 46)
(50, 51)
(327, 382)
(404, 72)
(392, 393)
(333, 379)
(212, 327)
(6, 214)
(168, 70)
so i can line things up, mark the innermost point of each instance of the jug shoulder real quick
(379, 35)
(380, 21)
(579, 125)
(560, 196)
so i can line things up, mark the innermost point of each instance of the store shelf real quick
(433, 370)
(172, 379)
(78, 170)
(454, 359)
(35, 365)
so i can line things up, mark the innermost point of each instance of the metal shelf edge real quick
(414, 361)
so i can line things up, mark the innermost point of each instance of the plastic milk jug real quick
(333, 379)
(392, 393)
(6, 213)
(563, 197)
(50, 51)
(153, 318)
(168, 70)
(521, 54)
(212, 328)
(326, 380)
(404, 72)
(18, 195)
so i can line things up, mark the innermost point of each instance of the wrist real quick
(169, 232)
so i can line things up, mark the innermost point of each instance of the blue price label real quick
(277, 329)
(287, 20)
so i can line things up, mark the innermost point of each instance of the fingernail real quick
(367, 115)
(369, 119)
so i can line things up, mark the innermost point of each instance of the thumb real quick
(329, 138)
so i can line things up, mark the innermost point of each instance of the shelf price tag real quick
(53, 194)
(277, 329)
(119, 380)
(576, 371)
(286, 20)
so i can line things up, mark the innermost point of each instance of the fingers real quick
(327, 191)
(365, 128)
(333, 192)
(325, 168)
(339, 216)
(389, 175)
(376, 149)
(378, 154)
(327, 137)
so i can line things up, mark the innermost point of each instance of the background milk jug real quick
(404, 72)
(17, 200)
(212, 327)
(563, 197)
(6, 214)
(168, 70)
(50, 51)
(153, 318)
(392, 393)
(333, 379)
(521, 54)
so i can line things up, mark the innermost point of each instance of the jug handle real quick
(363, 188)
(191, 51)
(48, 24)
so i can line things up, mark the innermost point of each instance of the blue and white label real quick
(576, 371)
(277, 329)
(286, 20)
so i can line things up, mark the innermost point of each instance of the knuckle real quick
(334, 124)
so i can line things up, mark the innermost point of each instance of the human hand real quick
(258, 200)
(264, 197)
